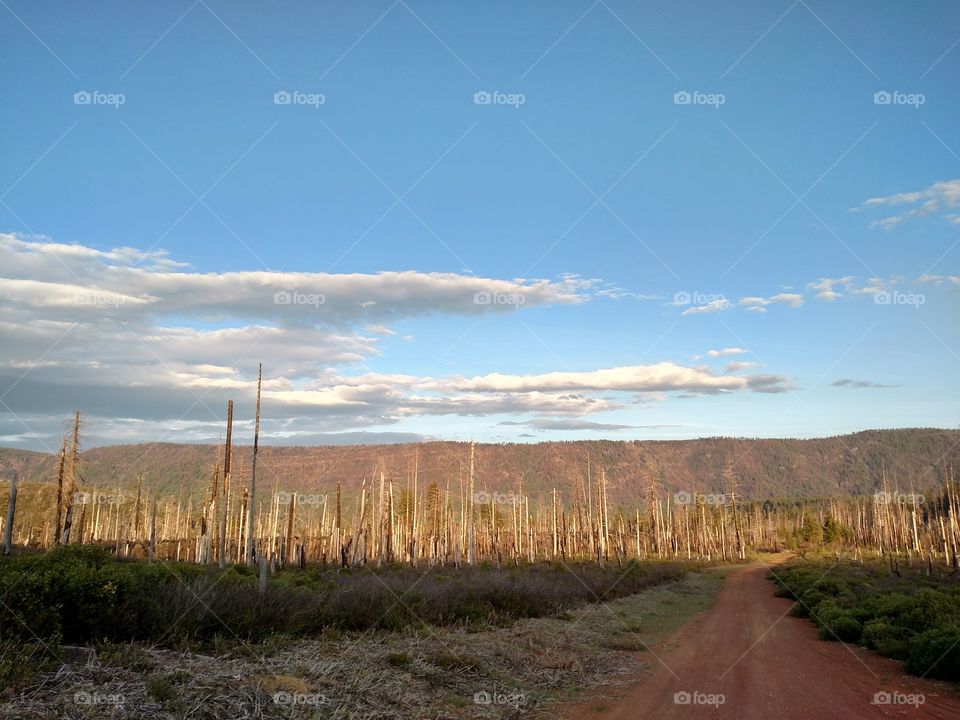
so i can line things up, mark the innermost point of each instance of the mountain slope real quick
(917, 459)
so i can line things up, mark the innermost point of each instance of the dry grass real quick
(420, 672)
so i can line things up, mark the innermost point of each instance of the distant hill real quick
(765, 468)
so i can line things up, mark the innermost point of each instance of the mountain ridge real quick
(916, 459)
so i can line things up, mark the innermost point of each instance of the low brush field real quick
(83, 635)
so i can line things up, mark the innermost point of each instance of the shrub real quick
(81, 594)
(836, 623)
(21, 661)
(887, 639)
(930, 608)
(936, 653)
(910, 616)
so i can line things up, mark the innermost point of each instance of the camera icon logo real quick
(482, 97)
(882, 97)
(282, 97)
(282, 297)
(882, 298)
(682, 698)
(682, 97)
(82, 98)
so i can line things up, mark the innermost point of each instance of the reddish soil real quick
(767, 665)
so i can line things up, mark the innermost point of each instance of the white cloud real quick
(754, 303)
(875, 285)
(710, 307)
(826, 287)
(939, 279)
(940, 195)
(81, 282)
(793, 300)
(138, 342)
(664, 376)
(859, 384)
(579, 424)
(725, 352)
(737, 365)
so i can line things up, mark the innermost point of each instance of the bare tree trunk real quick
(72, 477)
(226, 486)
(11, 512)
(152, 547)
(291, 514)
(248, 552)
(472, 533)
(63, 458)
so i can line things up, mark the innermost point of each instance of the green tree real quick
(811, 531)
(832, 530)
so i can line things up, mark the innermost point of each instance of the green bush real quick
(929, 609)
(936, 653)
(887, 639)
(911, 616)
(889, 606)
(83, 595)
(837, 624)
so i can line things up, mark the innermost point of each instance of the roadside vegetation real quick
(907, 613)
(82, 595)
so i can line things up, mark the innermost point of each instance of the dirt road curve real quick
(767, 666)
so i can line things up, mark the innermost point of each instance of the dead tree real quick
(248, 553)
(11, 513)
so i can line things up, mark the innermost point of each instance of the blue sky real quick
(586, 173)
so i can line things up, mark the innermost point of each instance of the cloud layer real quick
(155, 350)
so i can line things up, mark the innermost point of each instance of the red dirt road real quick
(767, 665)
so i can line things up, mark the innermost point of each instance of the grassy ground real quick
(420, 671)
(636, 623)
